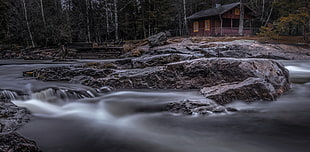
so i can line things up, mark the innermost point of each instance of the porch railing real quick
(224, 31)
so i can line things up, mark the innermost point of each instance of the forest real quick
(52, 22)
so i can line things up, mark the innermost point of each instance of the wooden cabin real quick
(222, 20)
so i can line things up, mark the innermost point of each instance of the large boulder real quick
(157, 39)
(262, 79)
(249, 90)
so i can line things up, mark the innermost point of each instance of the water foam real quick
(83, 110)
(297, 69)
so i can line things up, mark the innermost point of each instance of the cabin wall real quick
(232, 15)
(230, 24)
(202, 31)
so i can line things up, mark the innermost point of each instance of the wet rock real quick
(81, 79)
(196, 107)
(158, 39)
(66, 73)
(189, 74)
(251, 49)
(8, 95)
(158, 60)
(12, 117)
(105, 89)
(252, 89)
(13, 142)
(167, 50)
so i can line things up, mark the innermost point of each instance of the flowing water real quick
(67, 121)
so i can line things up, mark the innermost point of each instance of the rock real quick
(12, 117)
(13, 142)
(81, 79)
(66, 73)
(158, 51)
(105, 89)
(189, 74)
(251, 89)
(195, 107)
(158, 39)
(159, 60)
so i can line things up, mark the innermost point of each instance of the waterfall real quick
(54, 94)
(7, 95)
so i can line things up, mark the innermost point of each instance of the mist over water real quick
(113, 122)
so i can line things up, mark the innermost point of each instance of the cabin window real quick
(196, 26)
(237, 11)
(207, 25)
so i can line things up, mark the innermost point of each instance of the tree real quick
(3, 9)
(241, 20)
(116, 19)
(27, 23)
(300, 18)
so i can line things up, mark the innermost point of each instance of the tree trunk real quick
(27, 23)
(241, 20)
(263, 12)
(271, 10)
(221, 28)
(307, 24)
(44, 21)
(87, 20)
(185, 20)
(116, 20)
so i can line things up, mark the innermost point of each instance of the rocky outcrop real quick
(251, 49)
(235, 49)
(161, 59)
(158, 39)
(66, 73)
(13, 142)
(251, 89)
(215, 76)
(11, 118)
(193, 107)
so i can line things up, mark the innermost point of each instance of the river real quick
(110, 122)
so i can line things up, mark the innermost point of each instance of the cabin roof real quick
(214, 11)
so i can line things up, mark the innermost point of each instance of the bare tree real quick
(241, 20)
(43, 19)
(27, 23)
(271, 10)
(116, 20)
(185, 20)
(87, 4)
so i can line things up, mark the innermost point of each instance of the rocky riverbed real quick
(221, 79)
(222, 72)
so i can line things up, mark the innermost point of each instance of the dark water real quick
(110, 122)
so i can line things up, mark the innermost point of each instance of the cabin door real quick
(217, 27)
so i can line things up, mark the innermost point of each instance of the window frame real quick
(196, 26)
(237, 11)
(207, 25)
